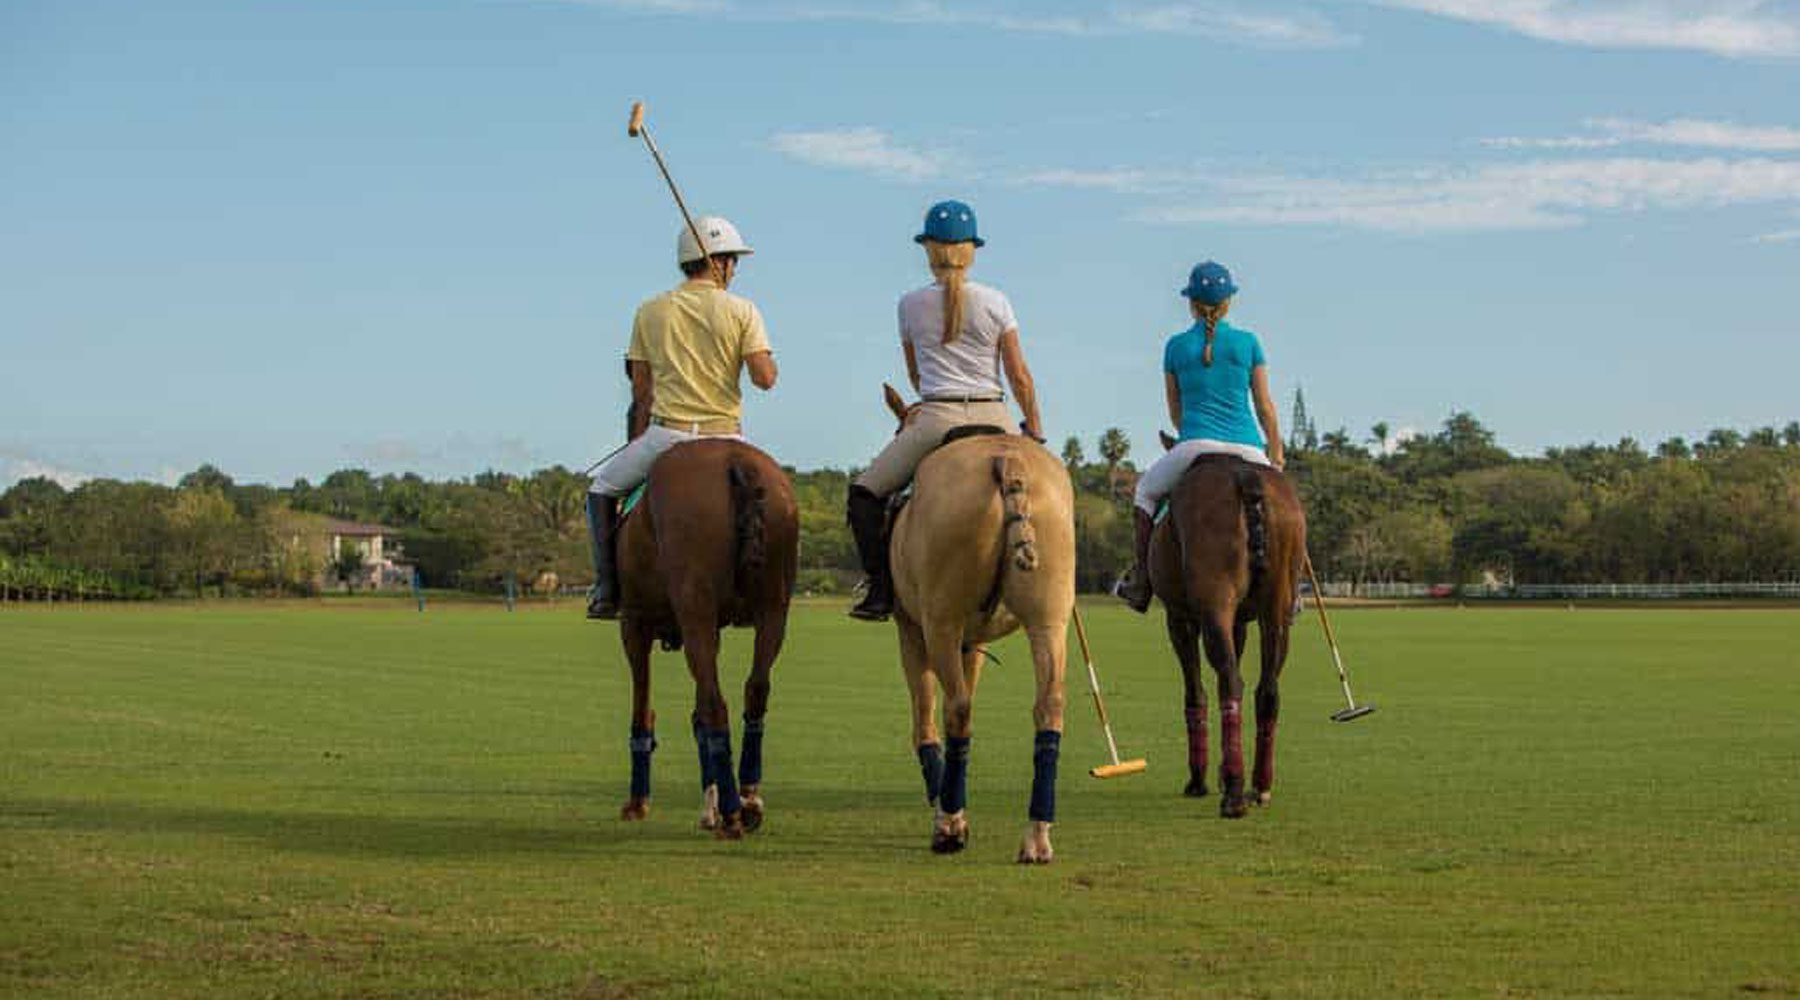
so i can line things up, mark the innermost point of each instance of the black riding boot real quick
(603, 522)
(1134, 586)
(867, 514)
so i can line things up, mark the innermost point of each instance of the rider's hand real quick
(1027, 430)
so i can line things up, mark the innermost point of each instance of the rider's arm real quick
(762, 369)
(643, 395)
(912, 364)
(1265, 413)
(1018, 375)
(1172, 392)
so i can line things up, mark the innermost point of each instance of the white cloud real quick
(1731, 28)
(863, 148)
(1242, 23)
(1534, 195)
(14, 468)
(1122, 180)
(1688, 132)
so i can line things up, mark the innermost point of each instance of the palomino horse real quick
(1229, 553)
(713, 543)
(985, 546)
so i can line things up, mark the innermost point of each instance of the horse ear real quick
(894, 402)
(1167, 441)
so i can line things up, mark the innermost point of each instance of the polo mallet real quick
(1353, 710)
(636, 128)
(1117, 768)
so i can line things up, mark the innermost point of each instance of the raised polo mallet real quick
(1352, 710)
(636, 128)
(1118, 767)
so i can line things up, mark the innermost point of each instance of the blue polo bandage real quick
(643, 744)
(954, 793)
(750, 762)
(931, 767)
(715, 744)
(1043, 775)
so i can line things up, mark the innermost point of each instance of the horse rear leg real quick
(1184, 636)
(921, 685)
(1221, 652)
(1049, 660)
(637, 640)
(944, 654)
(1274, 631)
(712, 725)
(771, 629)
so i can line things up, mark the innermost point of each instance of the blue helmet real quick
(950, 222)
(1209, 283)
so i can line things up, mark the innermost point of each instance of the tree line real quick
(1446, 507)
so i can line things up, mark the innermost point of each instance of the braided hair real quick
(1210, 315)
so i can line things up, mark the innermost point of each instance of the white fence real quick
(1564, 591)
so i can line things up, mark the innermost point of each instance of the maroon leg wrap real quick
(1265, 754)
(1196, 732)
(1231, 745)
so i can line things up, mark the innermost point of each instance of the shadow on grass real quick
(838, 823)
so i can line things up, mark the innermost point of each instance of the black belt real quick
(965, 399)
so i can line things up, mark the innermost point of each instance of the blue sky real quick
(290, 237)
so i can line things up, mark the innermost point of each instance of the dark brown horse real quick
(1229, 553)
(713, 543)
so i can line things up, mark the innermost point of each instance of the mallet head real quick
(1354, 712)
(636, 125)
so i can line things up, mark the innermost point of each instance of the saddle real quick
(901, 496)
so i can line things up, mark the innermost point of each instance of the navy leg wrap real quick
(750, 762)
(1043, 775)
(643, 744)
(706, 776)
(954, 794)
(931, 767)
(716, 744)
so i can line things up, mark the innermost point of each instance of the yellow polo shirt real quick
(695, 339)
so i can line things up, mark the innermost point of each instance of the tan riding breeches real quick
(893, 468)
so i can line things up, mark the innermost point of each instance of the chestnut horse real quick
(1229, 553)
(985, 546)
(714, 542)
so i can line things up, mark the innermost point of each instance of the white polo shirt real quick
(971, 365)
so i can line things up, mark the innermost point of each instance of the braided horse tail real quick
(1249, 482)
(748, 496)
(1020, 539)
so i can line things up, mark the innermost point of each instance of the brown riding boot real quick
(1134, 587)
(867, 514)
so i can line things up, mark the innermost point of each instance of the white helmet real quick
(721, 237)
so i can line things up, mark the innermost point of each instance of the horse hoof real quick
(730, 827)
(950, 834)
(636, 809)
(1233, 807)
(753, 813)
(1196, 789)
(1035, 849)
(1028, 858)
(1262, 797)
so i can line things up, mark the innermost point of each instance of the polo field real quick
(235, 799)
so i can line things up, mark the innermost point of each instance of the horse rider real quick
(1213, 373)
(957, 336)
(688, 346)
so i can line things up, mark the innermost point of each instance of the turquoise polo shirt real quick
(1215, 401)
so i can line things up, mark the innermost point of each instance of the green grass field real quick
(246, 800)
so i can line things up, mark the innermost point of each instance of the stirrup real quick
(871, 608)
(1134, 590)
(601, 610)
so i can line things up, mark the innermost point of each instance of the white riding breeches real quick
(1161, 477)
(624, 469)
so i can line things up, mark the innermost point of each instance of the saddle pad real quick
(632, 498)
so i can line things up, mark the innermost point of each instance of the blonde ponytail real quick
(949, 265)
(1210, 315)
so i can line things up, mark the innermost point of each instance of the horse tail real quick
(748, 503)
(1020, 538)
(1256, 522)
